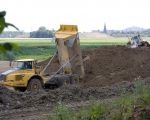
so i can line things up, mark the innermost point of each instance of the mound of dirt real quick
(112, 64)
(50, 68)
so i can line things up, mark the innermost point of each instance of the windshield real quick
(24, 64)
(20, 65)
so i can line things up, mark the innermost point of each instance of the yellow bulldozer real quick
(65, 66)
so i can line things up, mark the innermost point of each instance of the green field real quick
(43, 48)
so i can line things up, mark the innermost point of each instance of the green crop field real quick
(43, 48)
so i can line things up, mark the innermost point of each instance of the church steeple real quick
(105, 30)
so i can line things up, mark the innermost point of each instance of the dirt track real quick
(110, 72)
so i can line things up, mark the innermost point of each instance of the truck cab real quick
(21, 76)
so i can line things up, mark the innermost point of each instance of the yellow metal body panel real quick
(71, 28)
(68, 46)
(66, 32)
(64, 36)
(18, 78)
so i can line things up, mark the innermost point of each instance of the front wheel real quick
(34, 85)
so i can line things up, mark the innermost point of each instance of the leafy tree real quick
(6, 48)
(42, 28)
(42, 32)
(3, 23)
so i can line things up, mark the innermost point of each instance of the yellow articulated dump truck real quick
(65, 66)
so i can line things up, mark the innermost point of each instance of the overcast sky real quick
(28, 15)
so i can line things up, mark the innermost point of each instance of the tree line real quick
(42, 32)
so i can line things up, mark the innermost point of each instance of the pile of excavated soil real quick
(112, 64)
(50, 68)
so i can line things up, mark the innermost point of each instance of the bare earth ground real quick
(39, 106)
(110, 71)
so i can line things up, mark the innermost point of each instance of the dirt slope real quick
(112, 64)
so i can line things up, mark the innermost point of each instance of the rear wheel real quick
(147, 44)
(144, 44)
(59, 82)
(34, 85)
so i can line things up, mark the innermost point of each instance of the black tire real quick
(59, 82)
(144, 44)
(147, 44)
(20, 89)
(34, 85)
